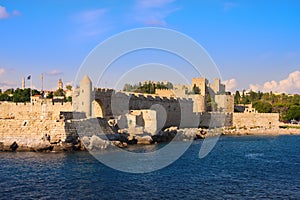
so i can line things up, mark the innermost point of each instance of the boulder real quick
(42, 146)
(14, 146)
(120, 144)
(97, 143)
(131, 139)
(1, 146)
(85, 141)
(186, 135)
(146, 140)
(172, 128)
(164, 136)
(201, 133)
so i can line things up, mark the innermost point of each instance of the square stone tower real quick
(201, 84)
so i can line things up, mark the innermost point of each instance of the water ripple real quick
(238, 168)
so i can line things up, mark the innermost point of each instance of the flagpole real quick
(30, 93)
(42, 77)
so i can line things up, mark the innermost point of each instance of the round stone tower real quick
(86, 96)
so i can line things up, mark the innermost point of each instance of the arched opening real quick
(97, 109)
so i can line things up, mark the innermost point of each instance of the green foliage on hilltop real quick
(49, 95)
(69, 87)
(262, 106)
(292, 113)
(17, 95)
(274, 99)
(286, 105)
(59, 92)
(148, 87)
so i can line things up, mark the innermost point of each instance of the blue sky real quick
(255, 44)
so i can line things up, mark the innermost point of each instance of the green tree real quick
(296, 99)
(9, 91)
(245, 98)
(5, 97)
(196, 89)
(292, 113)
(210, 103)
(69, 99)
(237, 97)
(127, 87)
(35, 92)
(262, 106)
(69, 87)
(59, 92)
(50, 95)
(169, 85)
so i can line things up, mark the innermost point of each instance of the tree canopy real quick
(59, 92)
(18, 95)
(285, 105)
(69, 87)
(292, 113)
(148, 87)
(262, 107)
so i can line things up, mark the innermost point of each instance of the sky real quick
(254, 44)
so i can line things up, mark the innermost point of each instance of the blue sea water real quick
(247, 167)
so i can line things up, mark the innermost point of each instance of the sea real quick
(238, 167)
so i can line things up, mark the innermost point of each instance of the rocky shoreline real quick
(38, 146)
(122, 139)
(262, 131)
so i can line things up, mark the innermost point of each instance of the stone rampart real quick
(35, 125)
(10, 110)
(171, 111)
(252, 120)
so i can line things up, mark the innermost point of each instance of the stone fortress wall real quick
(255, 120)
(24, 110)
(185, 111)
(29, 124)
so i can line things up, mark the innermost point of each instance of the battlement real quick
(132, 95)
(104, 90)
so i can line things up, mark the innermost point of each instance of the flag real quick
(29, 77)
(42, 77)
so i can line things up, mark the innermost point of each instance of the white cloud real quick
(5, 14)
(16, 13)
(270, 85)
(54, 72)
(69, 83)
(4, 85)
(2, 71)
(230, 84)
(91, 16)
(289, 85)
(92, 22)
(155, 22)
(229, 5)
(254, 87)
(153, 12)
(153, 3)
